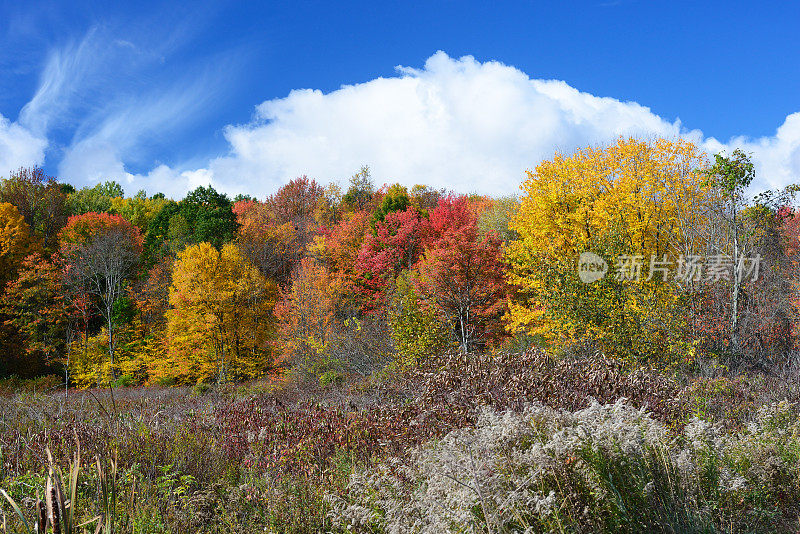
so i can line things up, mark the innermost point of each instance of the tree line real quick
(332, 283)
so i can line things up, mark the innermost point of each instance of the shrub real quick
(606, 468)
(201, 388)
(124, 381)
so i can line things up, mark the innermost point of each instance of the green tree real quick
(97, 198)
(395, 199)
(204, 216)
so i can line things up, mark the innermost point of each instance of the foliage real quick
(15, 241)
(395, 199)
(139, 209)
(340, 249)
(496, 218)
(100, 254)
(204, 215)
(99, 198)
(297, 202)
(417, 331)
(424, 198)
(306, 316)
(39, 199)
(396, 245)
(632, 198)
(361, 192)
(461, 275)
(219, 322)
(35, 305)
(272, 247)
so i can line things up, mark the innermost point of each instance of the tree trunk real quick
(736, 282)
(111, 344)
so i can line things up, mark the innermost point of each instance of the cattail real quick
(41, 520)
(53, 509)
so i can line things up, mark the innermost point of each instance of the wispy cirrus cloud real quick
(119, 131)
(114, 101)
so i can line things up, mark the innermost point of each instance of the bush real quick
(331, 378)
(124, 381)
(201, 388)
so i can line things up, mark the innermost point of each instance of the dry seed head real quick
(41, 511)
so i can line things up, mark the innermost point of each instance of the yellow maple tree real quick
(220, 319)
(632, 198)
(15, 241)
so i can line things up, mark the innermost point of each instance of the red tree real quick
(395, 246)
(461, 274)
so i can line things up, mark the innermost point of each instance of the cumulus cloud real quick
(777, 157)
(454, 123)
(19, 147)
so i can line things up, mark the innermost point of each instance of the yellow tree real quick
(139, 210)
(15, 241)
(220, 317)
(635, 204)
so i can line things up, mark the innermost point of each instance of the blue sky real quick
(245, 96)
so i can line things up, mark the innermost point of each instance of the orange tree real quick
(306, 315)
(271, 246)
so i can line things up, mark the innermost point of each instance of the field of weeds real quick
(485, 443)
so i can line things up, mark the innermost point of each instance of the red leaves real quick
(790, 230)
(396, 246)
(461, 274)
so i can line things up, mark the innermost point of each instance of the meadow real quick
(507, 442)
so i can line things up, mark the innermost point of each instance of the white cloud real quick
(105, 138)
(777, 157)
(455, 123)
(19, 147)
(66, 71)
